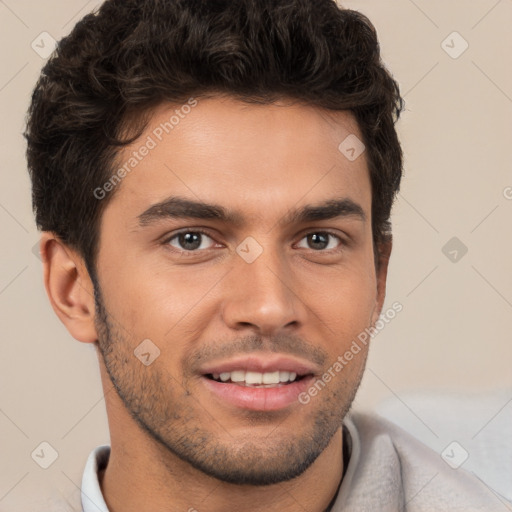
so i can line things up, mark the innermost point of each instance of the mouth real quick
(258, 383)
(275, 379)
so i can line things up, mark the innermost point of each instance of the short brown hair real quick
(133, 55)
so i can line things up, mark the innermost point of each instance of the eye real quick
(189, 241)
(319, 240)
(198, 240)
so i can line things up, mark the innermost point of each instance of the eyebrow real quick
(181, 207)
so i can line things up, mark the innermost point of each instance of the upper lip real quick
(262, 364)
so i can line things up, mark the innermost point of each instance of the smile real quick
(256, 379)
(256, 396)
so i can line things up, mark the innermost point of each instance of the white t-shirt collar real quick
(92, 497)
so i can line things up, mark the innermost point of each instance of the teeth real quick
(256, 378)
(238, 376)
(253, 378)
(271, 378)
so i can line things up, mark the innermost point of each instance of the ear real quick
(69, 287)
(382, 274)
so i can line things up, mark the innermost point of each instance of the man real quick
(214, 183)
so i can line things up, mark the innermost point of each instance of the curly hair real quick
(133, 55)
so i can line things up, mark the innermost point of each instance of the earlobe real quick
(69, 287)
(382, 272)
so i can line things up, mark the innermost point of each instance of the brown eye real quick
(321, 240)
(189, 241)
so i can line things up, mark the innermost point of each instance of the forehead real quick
(253, 157)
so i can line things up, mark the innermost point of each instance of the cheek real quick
(346, 300)
(157, 302)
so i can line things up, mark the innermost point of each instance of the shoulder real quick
(391, 470)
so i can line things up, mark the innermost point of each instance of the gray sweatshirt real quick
(388, 471)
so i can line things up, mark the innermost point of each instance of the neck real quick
(142, 475)
(142, 481)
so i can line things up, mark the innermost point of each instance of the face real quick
(236, 261)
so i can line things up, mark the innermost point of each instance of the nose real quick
(262, 295)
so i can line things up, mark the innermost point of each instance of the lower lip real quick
(258, 399)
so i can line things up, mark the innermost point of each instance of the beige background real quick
(454, 331)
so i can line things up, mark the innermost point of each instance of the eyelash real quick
(186, 253)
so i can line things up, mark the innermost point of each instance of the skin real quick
(175, 445)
